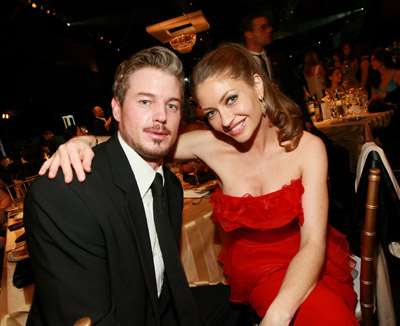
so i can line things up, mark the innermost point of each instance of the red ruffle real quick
(259, 212)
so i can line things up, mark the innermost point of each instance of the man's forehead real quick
(260, 20)
(142, 78)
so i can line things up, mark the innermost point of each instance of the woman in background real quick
(333, 80)
(315, 74)
(349, 66)
(388, 78)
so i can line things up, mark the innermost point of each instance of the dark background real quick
(49, 69)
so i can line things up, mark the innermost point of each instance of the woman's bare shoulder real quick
(311, 143)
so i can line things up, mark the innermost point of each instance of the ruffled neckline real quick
(264, 212)
(294, 182)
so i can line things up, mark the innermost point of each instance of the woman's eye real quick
(231, 99)
(210, 114)
(172, 107)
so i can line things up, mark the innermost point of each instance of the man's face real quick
(5, 162)
(150, 115)
(262, 31)
(98, 112)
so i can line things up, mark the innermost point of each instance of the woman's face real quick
(375, 64)
(336, 76)
(346, 50)
(231, 106)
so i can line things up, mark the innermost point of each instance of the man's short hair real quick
(247, 23)
(47, 132)
(156, 57)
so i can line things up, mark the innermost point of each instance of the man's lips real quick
(158, 131)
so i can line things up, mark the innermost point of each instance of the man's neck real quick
(254, 47)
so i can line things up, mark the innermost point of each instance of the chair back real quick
(368, 249)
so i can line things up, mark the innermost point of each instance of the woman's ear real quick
(259, 86)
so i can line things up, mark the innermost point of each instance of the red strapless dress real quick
(264, 235)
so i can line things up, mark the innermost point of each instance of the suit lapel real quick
(125, 180)
(175, 202)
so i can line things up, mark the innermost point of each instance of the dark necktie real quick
(265, 65)
(182, 296)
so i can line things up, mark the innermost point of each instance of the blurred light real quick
(68, 24)
(34, 5)
(48, 11)
(5, 116)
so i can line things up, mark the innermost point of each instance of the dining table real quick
(353, 132)
(201, 241)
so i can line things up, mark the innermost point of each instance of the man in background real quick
(101, 125)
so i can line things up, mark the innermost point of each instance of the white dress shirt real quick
(267, 62)
(145, 175)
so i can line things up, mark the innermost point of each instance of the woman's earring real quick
(263, 106)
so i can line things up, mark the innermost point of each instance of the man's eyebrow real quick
(175, 99)
(153, 96)
(146, 94)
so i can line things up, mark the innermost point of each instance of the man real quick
(50, 142)
(258, 38)
(94, 246)
(5, 174)
(101, 125)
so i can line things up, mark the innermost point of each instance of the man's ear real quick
(248, 34)
(116, 108)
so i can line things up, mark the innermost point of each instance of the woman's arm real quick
(364, 66)
(305, 268)
(76, 152)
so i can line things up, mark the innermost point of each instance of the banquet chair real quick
(17, 191)
(368, 250)
(386, 264)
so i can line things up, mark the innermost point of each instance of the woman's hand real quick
(276, 316)
(380, 96)
(76, 152)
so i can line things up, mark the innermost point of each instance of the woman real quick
(314, 74)
(388, 78)
(385, 86)
(333, 80)
(274, 257)
(349, 66)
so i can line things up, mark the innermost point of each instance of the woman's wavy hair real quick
(310, 60)
(235, 61)
(157, 57)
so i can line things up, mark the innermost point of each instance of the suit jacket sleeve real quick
(68, 257)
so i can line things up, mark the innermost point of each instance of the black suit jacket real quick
(90, 248)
